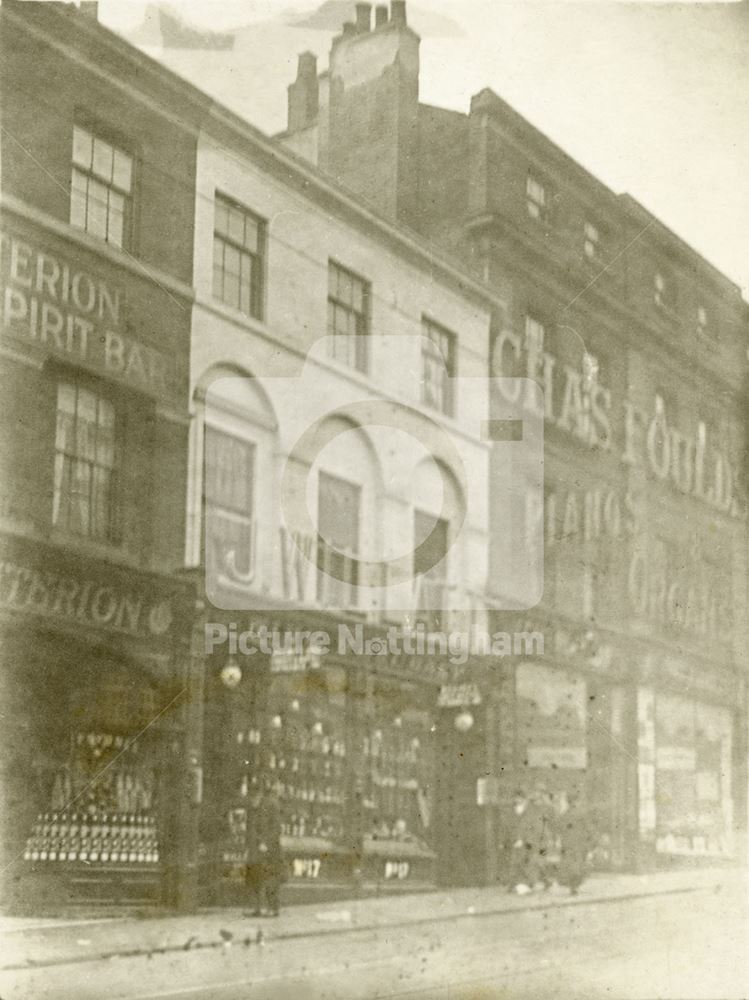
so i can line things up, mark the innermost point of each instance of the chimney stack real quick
(363, 18)
(304, 94)
(381, 16)
(398, 13)
(349, 29)
(89, 9)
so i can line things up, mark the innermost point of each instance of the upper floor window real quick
(535, 197)
(703, 322)
(591, 242)
(438, 367)
(229, 503)
(238, 252)
(348, 317)
(430, 549)
(86, 463)
(663, 290)
(339, 504)
(101, 187)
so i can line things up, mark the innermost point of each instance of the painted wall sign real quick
(578, 404)
(82, 601)
(52, 303)
(574, 758)
(306, 867)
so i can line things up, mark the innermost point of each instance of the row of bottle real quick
(307, 793)
(324, 768)
(94, 839)
(326, 827)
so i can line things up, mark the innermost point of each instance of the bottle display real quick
(101, 808)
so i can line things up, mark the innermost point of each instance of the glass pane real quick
(96, 220)
(344, 287)
(331, 318)
(116, 224)
(82, 145)
(60, 502)
(332, 280)
(231, 290)
(78, 201)
(79, 500)
(103, 157)
(218, 281)
(100, 514)
(357, 295)
(222, 217)
(245, 296)
(122, 175)
(231, 259)
(251, 232)
(236, 225)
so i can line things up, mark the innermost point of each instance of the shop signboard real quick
(458, 695)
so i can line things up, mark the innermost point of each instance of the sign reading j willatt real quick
(370, 494)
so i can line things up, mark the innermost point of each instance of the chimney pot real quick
(381, 15)
(363, 17)
(398, 13)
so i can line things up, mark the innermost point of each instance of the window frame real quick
(359, 361)
(449, 365)
(112, 535)
(234, 514)
(257, 258)
(117, 145)
(536, 209)
(591, 243)
(346, 591)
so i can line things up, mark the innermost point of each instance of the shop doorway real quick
(460, 821)
(608, 773)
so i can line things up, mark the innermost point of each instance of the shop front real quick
(94, 660)
(353, 744)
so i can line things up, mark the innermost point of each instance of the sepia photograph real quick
(374, 486)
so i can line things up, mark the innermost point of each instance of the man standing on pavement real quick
(264, 857)
(524, 843)
(576, 842)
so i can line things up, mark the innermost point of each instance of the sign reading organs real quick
(62, 309)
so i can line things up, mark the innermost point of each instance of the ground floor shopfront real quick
(652, 739)
(376, 781)
(94, 663)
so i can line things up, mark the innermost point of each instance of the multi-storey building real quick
(94, 342)
(337, 359)
(639, 345)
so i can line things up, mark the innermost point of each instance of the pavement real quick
(28, 943)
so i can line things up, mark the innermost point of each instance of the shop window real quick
(86, 463)
(101, 187)
(238, 257)
(430, 550)
(101, 806)
(305, 751)
(348, 317)
(536, 197)
(397, 778)
(229, 500)
(438, 366)
(339, 504)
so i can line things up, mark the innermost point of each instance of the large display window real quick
(694, 808)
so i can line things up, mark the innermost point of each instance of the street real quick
(680, 943)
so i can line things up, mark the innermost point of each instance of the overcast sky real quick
(652, 98)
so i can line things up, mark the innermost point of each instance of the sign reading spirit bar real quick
(58, 307)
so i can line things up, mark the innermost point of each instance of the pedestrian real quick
(264, 872)
(576, 841)
(548, 817)
(524, 842)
